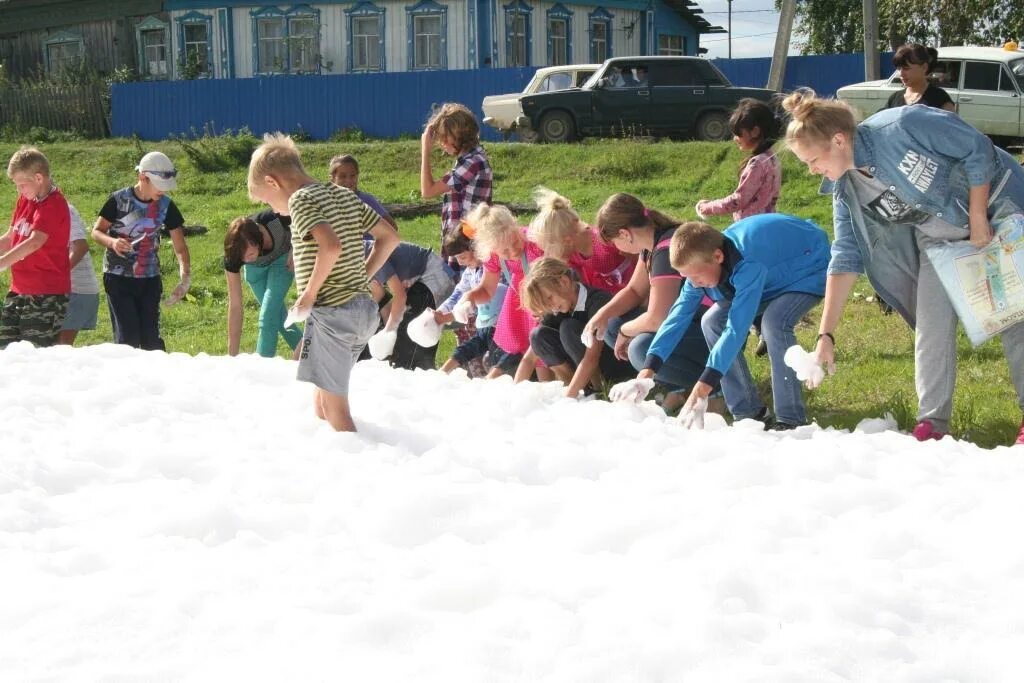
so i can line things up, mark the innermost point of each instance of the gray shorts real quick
(333, 339)
(81, 313)
(438, 278)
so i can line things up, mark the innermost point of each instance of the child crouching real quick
(553, 293)
(459, 246)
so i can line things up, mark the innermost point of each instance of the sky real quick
(754, 25)
(176, 518)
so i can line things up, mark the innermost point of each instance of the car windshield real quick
(1017, 67)
(556, 81)
(592, 81)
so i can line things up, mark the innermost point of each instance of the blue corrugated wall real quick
(824, 73)
(381, 105)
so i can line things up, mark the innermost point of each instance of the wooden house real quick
(42, 36)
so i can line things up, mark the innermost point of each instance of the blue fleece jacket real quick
(765, 256)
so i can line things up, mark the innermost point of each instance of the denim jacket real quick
(929, 158)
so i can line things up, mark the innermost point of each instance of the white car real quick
(985, 83)
(502, 111)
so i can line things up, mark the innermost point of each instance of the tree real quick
(837, 26)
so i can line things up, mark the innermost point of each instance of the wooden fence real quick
(70, 108)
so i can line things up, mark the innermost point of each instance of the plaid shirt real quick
(470, 183)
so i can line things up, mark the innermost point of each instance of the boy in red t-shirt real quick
(35, 248)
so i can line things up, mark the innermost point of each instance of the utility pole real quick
(871, 65)
(729, 3)
(777, 73)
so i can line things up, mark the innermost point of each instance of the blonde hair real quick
(623, 211)
(456, 122)
(693, 241)
(815, 120)
(277, 156)
(554, 223)
(28, 160)
(545, 275)
(492, 225)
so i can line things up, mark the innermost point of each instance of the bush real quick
(14, 131)
(226, 152)
(300, 135)
(349, 134)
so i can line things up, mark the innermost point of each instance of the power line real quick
(741, 11)
(755, 35)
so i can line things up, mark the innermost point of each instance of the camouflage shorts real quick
(35, 318)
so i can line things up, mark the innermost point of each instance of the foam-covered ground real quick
(166, 517)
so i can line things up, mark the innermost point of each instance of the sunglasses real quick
(166, 175)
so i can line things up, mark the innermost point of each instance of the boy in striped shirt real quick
(328, 223)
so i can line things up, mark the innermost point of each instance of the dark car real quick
(669, 96)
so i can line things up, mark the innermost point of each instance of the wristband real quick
(830, 337)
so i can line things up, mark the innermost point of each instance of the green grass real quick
(875, 352)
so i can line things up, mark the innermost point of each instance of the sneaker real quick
(1020, 436)
(925, 431)
(761, 348)
(781, 427)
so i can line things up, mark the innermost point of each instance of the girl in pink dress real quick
(503, 247)
(558, 230)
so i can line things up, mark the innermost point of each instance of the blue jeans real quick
(270, 284)
(779, 317)
(682, 369)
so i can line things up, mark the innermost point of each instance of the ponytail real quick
(815, 120)
(554, 223)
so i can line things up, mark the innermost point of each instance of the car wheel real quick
(557, 126)
(713, 127)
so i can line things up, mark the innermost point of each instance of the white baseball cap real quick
(160, 171)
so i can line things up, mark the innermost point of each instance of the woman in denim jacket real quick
(901, 180)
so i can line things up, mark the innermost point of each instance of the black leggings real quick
(134, 305)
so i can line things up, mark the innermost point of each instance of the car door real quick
(680, 91)
(988, 98)
(582, 77)
(621, 101)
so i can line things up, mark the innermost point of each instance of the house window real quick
(600, 35)
(154, 53)
(303, 44)
(598, 41)
(152, 38)
(365, 37)
(517, 41)
(428, 42)
(428, 39)
(195, 45)
(63, 50)
(286, 42)
(517, 34)
(559, 35)
(271, 45)
(366, 43)
(671, 45)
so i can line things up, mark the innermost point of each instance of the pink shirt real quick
(606, 268)
(758, 191)
(512, 331)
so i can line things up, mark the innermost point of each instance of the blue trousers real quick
(270, 284)
(681, 369)
(779, 317)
